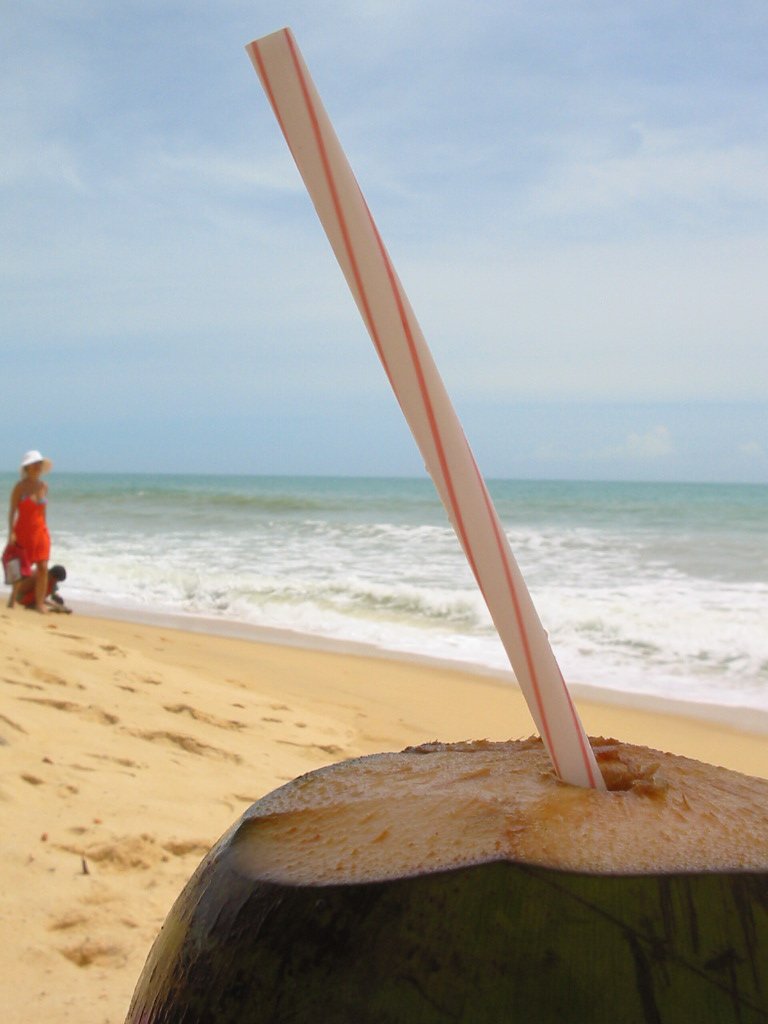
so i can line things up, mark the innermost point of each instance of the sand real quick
(128, 749)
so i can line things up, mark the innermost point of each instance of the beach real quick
(646, 589)
(129, 748)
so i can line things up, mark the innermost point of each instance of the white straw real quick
(416, 382)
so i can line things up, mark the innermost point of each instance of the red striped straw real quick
(419, 390)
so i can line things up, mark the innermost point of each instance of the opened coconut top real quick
(442, 806)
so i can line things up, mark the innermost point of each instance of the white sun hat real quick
(32, 457)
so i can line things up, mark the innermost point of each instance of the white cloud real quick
(612, 321)
(655, 443)
(751, 450)
(664, 166)
(40, 163)
(229, 171)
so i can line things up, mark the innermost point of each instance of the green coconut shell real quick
(497, 941)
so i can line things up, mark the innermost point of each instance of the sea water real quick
(655, 589)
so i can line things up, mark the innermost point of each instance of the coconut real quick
(465, 882)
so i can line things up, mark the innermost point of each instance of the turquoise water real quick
(644, 588)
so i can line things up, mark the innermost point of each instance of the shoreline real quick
(741, 718)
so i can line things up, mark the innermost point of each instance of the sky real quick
(574, 194)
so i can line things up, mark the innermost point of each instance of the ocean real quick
(645, 589)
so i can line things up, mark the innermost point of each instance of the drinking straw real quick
(408, 363)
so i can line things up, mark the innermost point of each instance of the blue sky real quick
(575, 195)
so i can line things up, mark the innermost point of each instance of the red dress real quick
(31, 530)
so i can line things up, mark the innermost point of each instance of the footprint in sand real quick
(327, 748)
(185, 847)
(94, 714)
(67, 921)
(14, 725)
(135, 853)
(59, 705)
(89, 952)
(245, 799)
(112, 649)
(186, 743)
(125, 853)
(204, 716)
(89, 712)
(124, 680)
(46, 677)
(26, 686)
(124, 762)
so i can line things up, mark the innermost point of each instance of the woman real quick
(26, 522)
